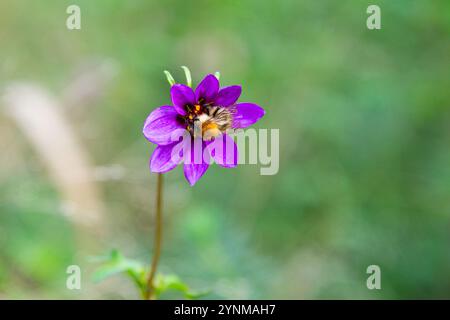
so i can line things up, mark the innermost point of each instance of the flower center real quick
(206, 121)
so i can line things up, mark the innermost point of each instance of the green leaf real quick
(173, 282)
(169, 77)
(116, 263)
(187, 72)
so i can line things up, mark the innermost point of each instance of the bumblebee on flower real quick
(203, 117)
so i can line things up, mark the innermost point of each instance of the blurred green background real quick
(364, 123)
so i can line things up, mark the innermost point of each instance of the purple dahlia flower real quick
(197, 124)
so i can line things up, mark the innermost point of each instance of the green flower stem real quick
(150, 290)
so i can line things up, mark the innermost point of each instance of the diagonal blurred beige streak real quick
(87, 84)
(43, 122)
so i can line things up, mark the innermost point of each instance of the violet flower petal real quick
(207, 89)
(246, 114)
(224, 151)
(162, 161)
(160, 125)
(193, 172)
(182, 95)
(196, 166)
(228, 96)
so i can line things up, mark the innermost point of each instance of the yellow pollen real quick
(190, 116)
(197, 108)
